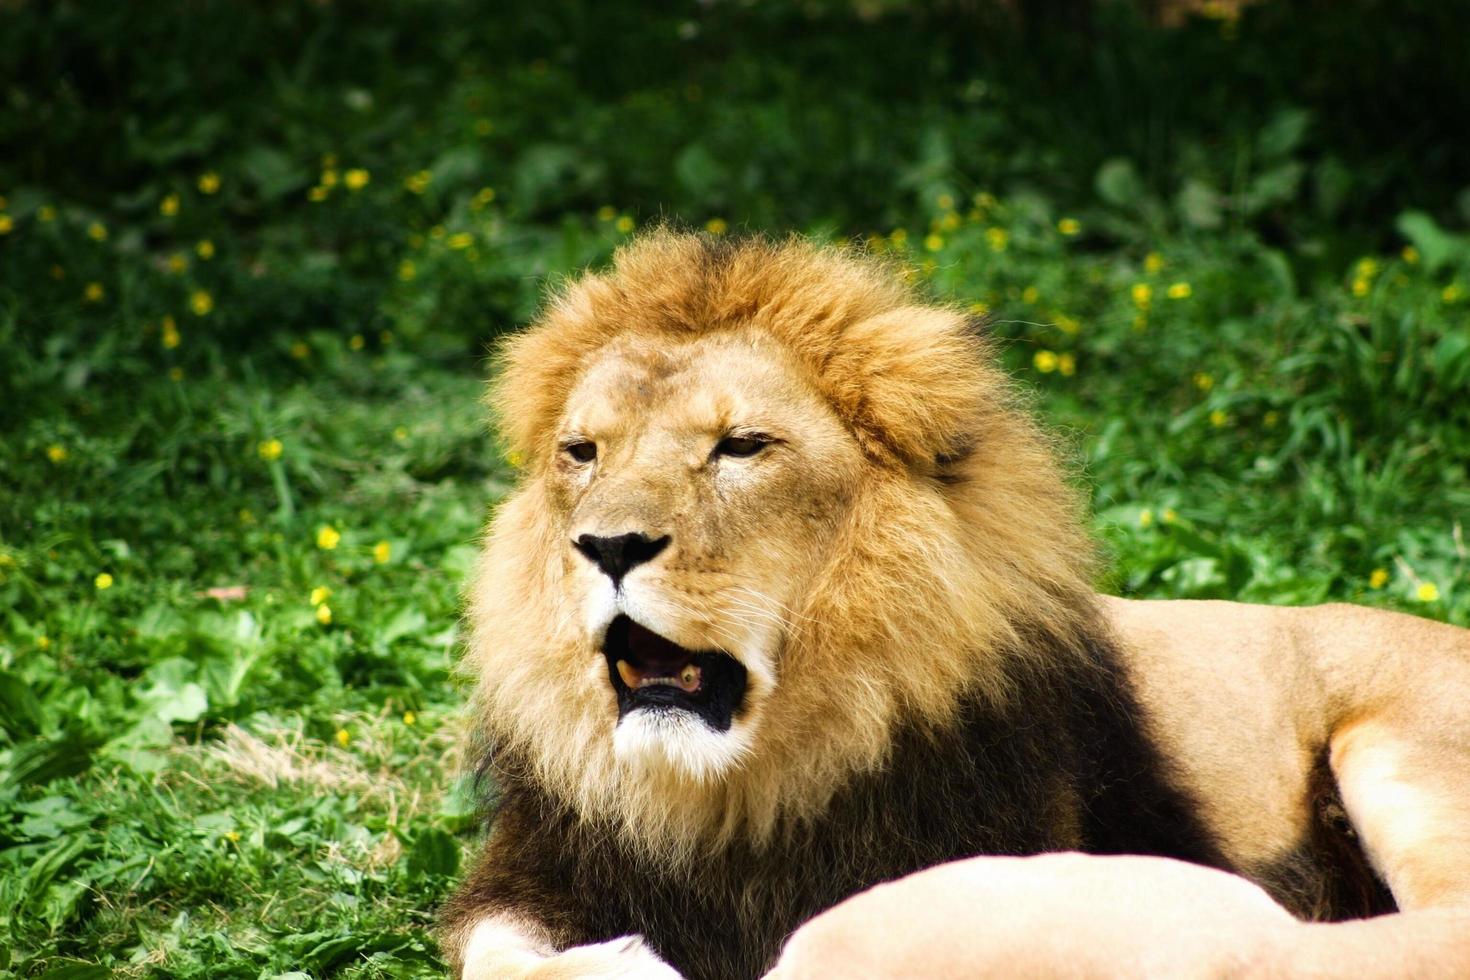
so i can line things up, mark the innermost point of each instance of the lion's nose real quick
(620, 553)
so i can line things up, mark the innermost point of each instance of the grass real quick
(243, 462)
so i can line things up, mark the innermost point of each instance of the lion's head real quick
(772, 504)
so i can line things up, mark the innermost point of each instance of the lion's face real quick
(773, 503)
(697, 489)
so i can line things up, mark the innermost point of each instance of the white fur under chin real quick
(664, 741)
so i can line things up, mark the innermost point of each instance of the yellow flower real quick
(356, 343)
(205, 249)
(462, 239)
(169, 206)
(43, 642)
(1367, 268)
(343, 737)
(1180, 290)
(382, 552)
(1410, 254)
(1066, 364)
(103, 582)
(1030, 294)
(1271, 418)
(329, 177)
(320, 594)
(385, 337)
(482, 197)
(1153, 262)
(97, 231)
(418, 182)
(716, 226)
(209, 182)
(1360, 286)
(899, 236)
(299, 350)
(1218, 418)
(327, 537)
(46, 213)
(1169, 516)
(324, 614)
(1203, 381)
(400, 434)
(1142, 294)
(201, 302)
(984, 199)
(1069, 226)
(57, 454)
(409, 717)
(356, 179)
(1045, 361)
(997, 238)
(270, 450)
(624, 224)
(176, 374)
(1378, 579)
(247, 516)
(606, 213)
(979, 309)
(1452, 293)
(94, 292)
(1145, 517)
(934, 242)
(317, 194)
(1427, 592)
(1067, 325)
(949, 222)
(945, 202)
(178, 262)
(7, 224)
(233, 836)
(170, 333)
(407, 271)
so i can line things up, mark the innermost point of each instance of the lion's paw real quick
(624, 958)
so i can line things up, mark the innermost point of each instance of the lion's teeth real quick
(688, 679)
(629, 674)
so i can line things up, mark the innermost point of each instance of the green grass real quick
(1249, 325)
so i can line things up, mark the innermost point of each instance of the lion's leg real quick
(1405, 781)
(1429, 943)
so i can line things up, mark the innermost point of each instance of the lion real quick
(795, 597)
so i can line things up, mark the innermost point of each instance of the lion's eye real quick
(582, 452)
(740, 445)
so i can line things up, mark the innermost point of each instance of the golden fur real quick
(906, 534)
(884, 628)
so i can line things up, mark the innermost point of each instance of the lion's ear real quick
(914, 380)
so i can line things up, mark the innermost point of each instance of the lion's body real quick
(885, 574)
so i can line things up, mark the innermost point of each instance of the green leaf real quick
(434, 853)
(1199, 205)
(1118, 183)
(1436, 246)
(20, 710)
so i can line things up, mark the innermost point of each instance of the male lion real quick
(794, 599)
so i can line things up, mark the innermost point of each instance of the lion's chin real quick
(661, 742)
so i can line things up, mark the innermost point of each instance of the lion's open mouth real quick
(650, 671)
